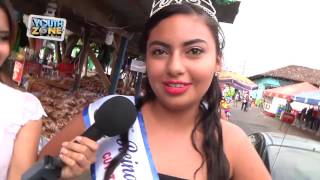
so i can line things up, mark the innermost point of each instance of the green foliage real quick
(259, 102)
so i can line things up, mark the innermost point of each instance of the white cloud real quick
(269, 34)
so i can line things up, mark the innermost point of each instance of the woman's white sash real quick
(137, 164)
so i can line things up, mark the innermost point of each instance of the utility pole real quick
(244, 67)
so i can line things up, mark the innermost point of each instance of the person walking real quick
(309, 117)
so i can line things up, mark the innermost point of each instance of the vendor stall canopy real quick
(288, 92)
(120, 16)
(237, 80)
(312, 98)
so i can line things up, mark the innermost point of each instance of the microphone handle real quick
(93, 133)
(49, 168)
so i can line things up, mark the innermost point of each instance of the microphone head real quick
(115, 116)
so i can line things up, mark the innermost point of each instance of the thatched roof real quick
(293, 73)
(120, 16)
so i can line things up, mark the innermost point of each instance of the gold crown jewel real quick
(206, 5)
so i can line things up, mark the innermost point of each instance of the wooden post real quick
(83, 57)
(119, 63)
(138, 84)
(58, 52)
(105, 81)
(115, 55)
(86, 65)
(70, 44)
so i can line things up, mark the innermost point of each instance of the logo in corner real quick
(48, 28)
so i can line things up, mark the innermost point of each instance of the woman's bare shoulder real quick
(241, 154)
(232, 133)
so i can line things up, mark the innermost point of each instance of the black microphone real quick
(114, 117)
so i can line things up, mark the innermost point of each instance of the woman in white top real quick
(20, 122)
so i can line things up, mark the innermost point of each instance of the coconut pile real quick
(60, 104)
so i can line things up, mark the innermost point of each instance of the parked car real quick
(288, 157)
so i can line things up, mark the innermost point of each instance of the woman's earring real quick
(216, 74)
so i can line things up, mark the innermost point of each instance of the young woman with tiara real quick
(178, 133)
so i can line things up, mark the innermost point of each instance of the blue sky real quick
(269, 34)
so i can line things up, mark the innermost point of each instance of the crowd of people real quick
(309, 118)
(178, 120)
(235, 96)
(306, 119)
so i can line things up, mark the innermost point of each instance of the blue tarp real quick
(312, 98)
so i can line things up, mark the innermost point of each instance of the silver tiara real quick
(206, 5)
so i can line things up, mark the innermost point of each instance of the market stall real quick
(105, 32)
(278, 96)
(236, 80)
(312, 98)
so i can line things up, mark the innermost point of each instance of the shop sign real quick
(138, 66)
(48, 28)
(18, 71)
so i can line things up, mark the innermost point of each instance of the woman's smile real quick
(176, 87)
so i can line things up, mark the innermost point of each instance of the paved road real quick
(255, 121)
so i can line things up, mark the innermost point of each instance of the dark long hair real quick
(212, 146)
(8, 10)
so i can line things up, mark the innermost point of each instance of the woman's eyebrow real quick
(193, 41)
(187, 43)
(160, 43)
(4, 33)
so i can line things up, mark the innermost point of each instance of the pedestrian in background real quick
(236, 99)
(309, 117)
(301, 117)
(245, 102)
